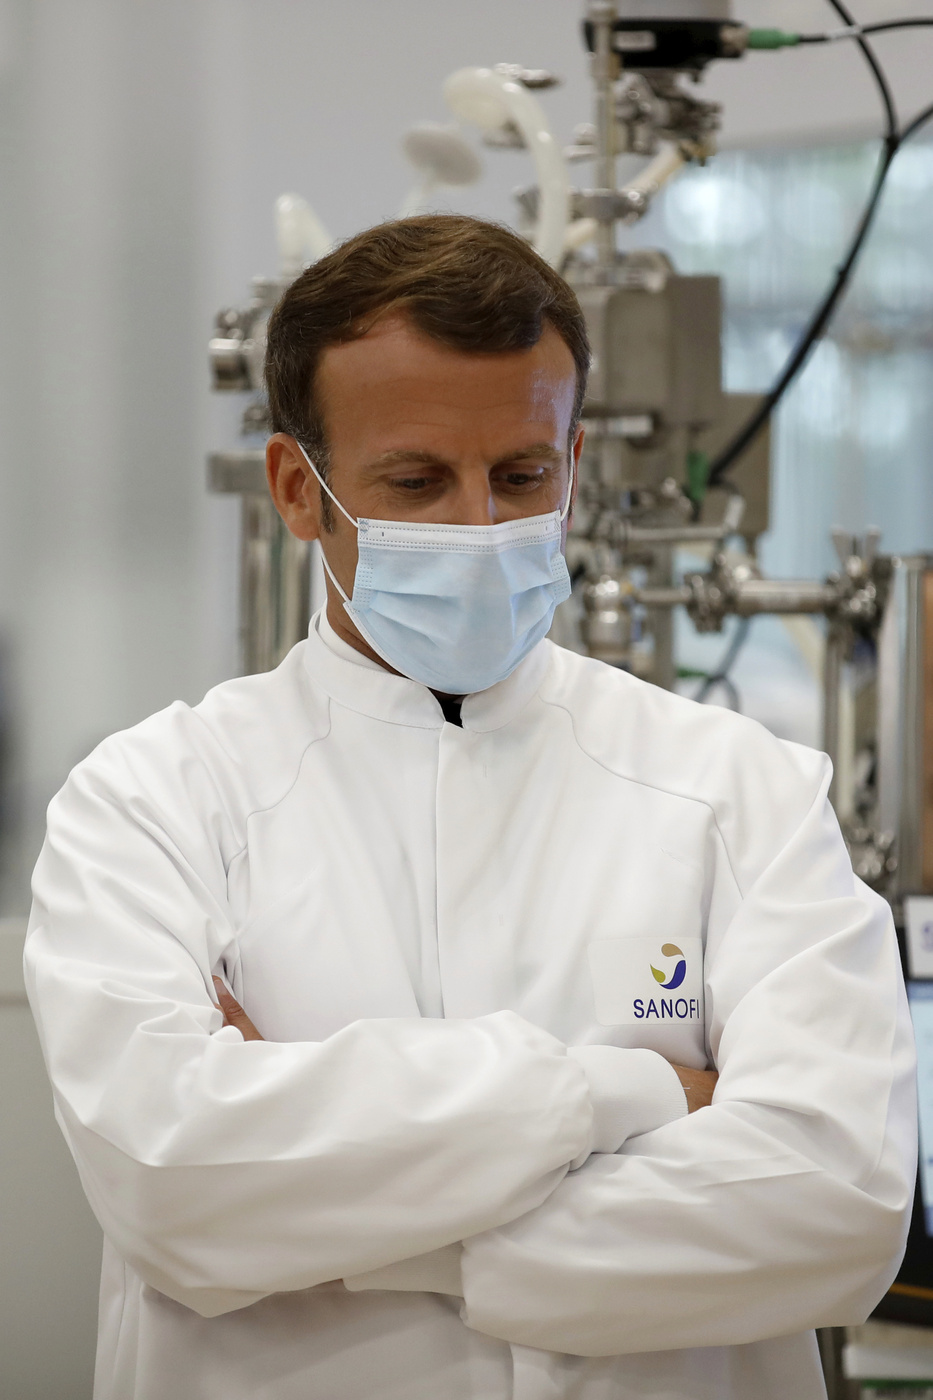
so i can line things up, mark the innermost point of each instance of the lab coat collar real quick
(491, 709)
(371, 690)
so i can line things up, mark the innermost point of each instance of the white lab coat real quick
(420, 918)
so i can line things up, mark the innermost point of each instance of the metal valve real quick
(238, 350)
(607, 620)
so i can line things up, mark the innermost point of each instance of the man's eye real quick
(412, 483)
(522, 478)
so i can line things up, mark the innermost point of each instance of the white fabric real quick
(437, 1272)
(420, 918)
(335, 643)
(655, 1094)
(631, 1091)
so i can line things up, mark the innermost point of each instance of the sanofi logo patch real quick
(644, 981)
(670, 950)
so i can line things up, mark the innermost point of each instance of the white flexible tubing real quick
(658, 171)
(647, 182)
(418, 198)
(490, 100)
(579, 232)
(301, 236)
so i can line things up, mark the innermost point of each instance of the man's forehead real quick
(396, 389)
(394, 349)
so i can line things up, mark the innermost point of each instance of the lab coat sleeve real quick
(785, 1204)
(221, 1170)
(631, 1091)
(437, 1272)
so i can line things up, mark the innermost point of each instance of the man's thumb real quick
(234, 1015)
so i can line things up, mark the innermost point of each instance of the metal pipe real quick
(605, 65)
(275, 567)
(766, 595)
(662, 597)
(748, 597)
(905, 723)
(685, 533)
(672, 534)
(832, 688)
(275, 586)
(660, 621)
(912, 809)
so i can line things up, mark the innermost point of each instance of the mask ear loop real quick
(324, 486)
(355, 523)
(563, 514)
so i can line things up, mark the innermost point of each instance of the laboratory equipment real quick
(440, 156)
(660, 470)
(275, 567)
(672, 463)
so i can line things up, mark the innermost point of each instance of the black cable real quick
(821, 317)
(720, 677)
(881, 82)
(814, 330)
(731, 689)
(918, 121)
(880, 28)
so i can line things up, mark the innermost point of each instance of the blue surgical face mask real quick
(456, 607)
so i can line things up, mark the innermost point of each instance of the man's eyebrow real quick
(406, 456)
(538, 450)
(410, 456)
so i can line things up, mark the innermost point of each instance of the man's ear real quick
(292, 486)
(576, 452)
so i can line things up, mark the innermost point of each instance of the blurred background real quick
(142, 148)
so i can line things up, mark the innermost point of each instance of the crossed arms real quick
(224, 1171)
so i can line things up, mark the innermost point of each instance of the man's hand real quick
(234, 1015)
(698, 1085)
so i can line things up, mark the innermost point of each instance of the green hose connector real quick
(772, 39)
(697, 474)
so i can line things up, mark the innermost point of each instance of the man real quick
(486, 917)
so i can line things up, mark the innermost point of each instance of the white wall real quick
(112, 573)
(50, 1243)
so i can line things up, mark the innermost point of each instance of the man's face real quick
(421, 432)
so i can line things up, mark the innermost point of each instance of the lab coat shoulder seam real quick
(138, 804)
(654, 787)
(819, 796)
(271, 806)
(240, 819)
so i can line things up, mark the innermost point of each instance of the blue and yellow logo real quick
(670, 950)
(682, 1008)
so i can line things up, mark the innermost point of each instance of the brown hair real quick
(471, 285)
